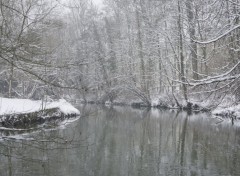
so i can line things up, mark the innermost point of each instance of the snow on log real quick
(24, 106)
(24, 113)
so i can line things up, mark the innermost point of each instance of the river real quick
(124, 141)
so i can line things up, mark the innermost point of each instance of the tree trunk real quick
(112, 54)
(140, 53)
(183, 79)
(10, 81)
(101, 57)
(192, 33)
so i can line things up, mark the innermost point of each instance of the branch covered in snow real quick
(218, 78)
(219, 37)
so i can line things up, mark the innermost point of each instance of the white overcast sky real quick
(97, 2)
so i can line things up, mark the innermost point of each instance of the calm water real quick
(124, 141)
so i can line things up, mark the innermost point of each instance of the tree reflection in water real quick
(125, 141)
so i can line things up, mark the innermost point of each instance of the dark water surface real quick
(124, 141)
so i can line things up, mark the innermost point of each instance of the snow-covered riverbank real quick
(21, 112)
(232, 112)
(226, 109)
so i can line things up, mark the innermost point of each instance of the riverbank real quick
(225, 109)
(232, 112)
(23, 113)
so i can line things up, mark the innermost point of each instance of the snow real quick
(219, 37)
(155, 102)
(230, 111)
(23, 106)
(64, 107)
(108, 103)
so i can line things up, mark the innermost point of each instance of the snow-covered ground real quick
(225, 108)
(233, 111)
(24, 106)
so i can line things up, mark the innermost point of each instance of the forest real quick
(171, 53)
(119, 87)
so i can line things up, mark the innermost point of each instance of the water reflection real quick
(124, 141)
